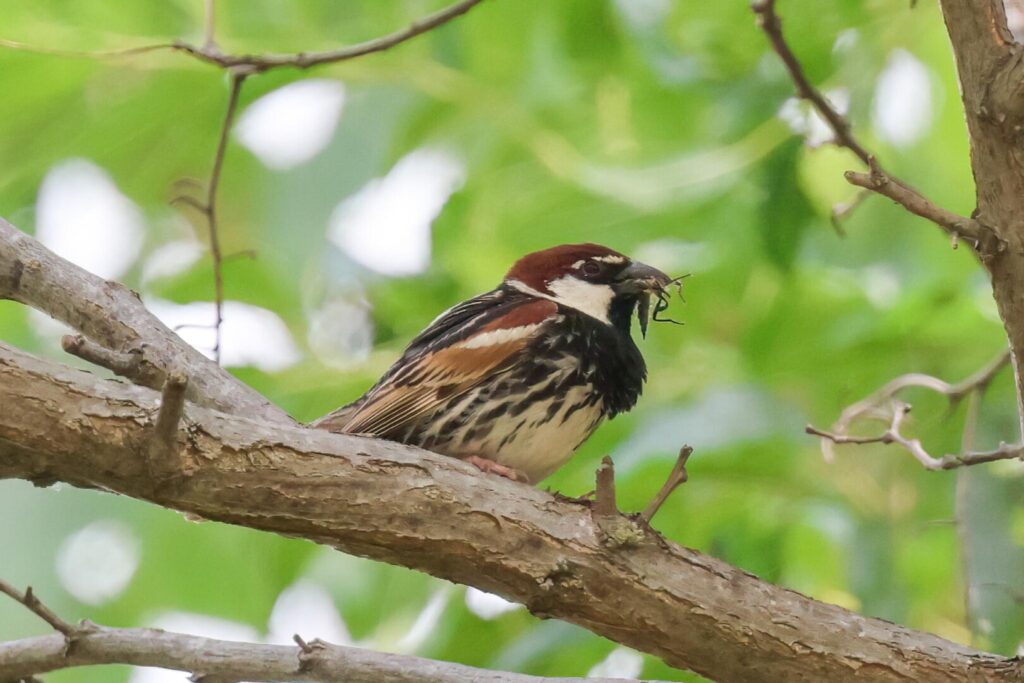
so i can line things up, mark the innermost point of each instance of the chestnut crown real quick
(590, 278)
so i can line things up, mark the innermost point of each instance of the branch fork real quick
(885, 407)
(71, 632)
(621, 530)
(986, 241)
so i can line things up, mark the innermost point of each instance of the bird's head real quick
(592, 279)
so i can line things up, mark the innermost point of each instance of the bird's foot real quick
(485, 465)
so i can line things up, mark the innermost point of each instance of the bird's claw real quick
(485, 465)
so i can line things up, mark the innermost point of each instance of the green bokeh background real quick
(649, 126)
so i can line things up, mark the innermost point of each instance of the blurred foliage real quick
(647, 125)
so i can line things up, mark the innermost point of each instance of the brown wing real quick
(437, 377)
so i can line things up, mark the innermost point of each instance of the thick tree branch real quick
(111, 317)
(410, 507)
(990, 66)
(985, 241)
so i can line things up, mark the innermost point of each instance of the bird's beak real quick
(641, 278)
(643, 282)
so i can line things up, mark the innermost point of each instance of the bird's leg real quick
(485, 465)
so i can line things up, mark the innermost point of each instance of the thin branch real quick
(210, 13)
(208, 206)
(127, 364)
(85, 54)
(770, 23)
(220, 660)
(979, 381)
(241, 66)
(33, 604)
(676, 477)
(961, 227)
(305, 60)
(237, 79)
(882, 405)
(984, 239)
(210, 54)
(840, 212)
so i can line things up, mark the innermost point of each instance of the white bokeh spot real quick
(340, 333)
(804, 119)
(385, 226)
(425, 624)
(96, 563)
(488, 606)
(902, 109)
(83, 217)
(171, 259)
(250, 335)
(620, 663)
(291, 125)
(307, 609)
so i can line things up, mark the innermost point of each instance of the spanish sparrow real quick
(514, 380)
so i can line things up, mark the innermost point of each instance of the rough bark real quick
(990, 66)
(410, 507)
(120, 332)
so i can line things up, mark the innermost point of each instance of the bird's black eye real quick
(591, 268)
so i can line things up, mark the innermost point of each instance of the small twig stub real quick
(676, 477)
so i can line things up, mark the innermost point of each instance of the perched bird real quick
(516, 379)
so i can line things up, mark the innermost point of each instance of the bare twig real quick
(210, 53)
(162, 449)
(979, 381)
(237, 79)
(127, 364)
(303, 645)
(85, 54)
(241, 66)
(770, 23)
(883, 406)
(961, 227)
(210, 12)
(840, 212)
(305, 60)
(208, 207)
(676, 477)
(616, 530)
(604, 493)
(984, 239)
(30, 601)
(219, 661)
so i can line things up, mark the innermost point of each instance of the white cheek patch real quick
(500, 336)
(586, 297)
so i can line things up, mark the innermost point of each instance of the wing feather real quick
(430, 381)
(486, 340)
